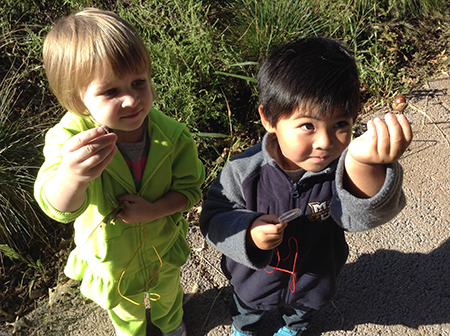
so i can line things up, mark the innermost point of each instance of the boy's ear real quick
(269, 128)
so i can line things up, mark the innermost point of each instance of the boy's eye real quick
(341, 124)
(307, 127)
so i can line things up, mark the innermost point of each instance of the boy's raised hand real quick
(266, 232)
(87, 154)
(383, 142)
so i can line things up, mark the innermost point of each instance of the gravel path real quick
(396, 280)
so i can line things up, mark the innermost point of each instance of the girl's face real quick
(120, 103)
(308, 142)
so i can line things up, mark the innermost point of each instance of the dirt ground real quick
(396, 280)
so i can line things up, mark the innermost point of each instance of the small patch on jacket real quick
(320, 211)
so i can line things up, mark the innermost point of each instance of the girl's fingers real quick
(81, 139)
(101, 156)
(92, 145)
(91, 140)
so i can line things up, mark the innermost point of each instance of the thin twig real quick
(198, 252)
(195, 288)
(429, 118)
(210, 309)
(3, 265)
(342, 315)
(213, 267)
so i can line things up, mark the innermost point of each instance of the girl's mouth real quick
(131, 116)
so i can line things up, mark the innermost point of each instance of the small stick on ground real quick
(432, 121)
(429, 118)
(210, 309)
(342, 315)
(195, 288)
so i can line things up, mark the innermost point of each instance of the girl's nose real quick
(130, 100)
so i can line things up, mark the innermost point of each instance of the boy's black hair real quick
(315, 73)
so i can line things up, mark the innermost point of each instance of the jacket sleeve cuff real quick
(359, 214)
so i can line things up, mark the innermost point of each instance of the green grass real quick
(205, 56)
(257, 25)
(22, 223)
(184, 56)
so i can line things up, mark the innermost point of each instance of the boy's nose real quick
(323, 141)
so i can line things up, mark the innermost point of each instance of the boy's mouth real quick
(320, 158)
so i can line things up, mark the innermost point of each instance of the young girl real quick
(127, 204)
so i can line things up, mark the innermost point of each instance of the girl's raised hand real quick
(383, 142)
(85, 155)
(88, 153)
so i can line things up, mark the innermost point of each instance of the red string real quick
(277, 252)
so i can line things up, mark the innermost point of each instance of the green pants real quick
(129, 319)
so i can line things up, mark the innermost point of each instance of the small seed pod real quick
(399, 103)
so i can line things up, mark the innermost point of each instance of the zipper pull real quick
(295, 193)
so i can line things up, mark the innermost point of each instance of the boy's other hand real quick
(266, 232)
(86, 154)
(383, 142)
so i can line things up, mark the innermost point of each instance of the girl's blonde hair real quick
(86, 44)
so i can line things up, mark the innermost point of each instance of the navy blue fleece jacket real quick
(313, 249)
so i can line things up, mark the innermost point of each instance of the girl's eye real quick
(110, 92)
(307, 127)
(139, 82)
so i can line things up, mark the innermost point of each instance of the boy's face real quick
(120, 103)
(309, 142)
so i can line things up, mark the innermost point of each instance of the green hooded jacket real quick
(104, 252)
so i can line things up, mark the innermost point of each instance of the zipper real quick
(128, 187)
(131, 188)
(295, 193)
(144, 184)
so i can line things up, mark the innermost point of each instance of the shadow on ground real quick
(390, 288)
(386, 288)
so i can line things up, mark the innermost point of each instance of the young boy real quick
(309, 102)
(119, 168)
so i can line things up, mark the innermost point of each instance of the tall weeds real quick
(205, 56)
(22, 225)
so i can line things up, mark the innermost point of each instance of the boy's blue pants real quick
(249, 320)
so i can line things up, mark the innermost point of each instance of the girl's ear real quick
(269, 128)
